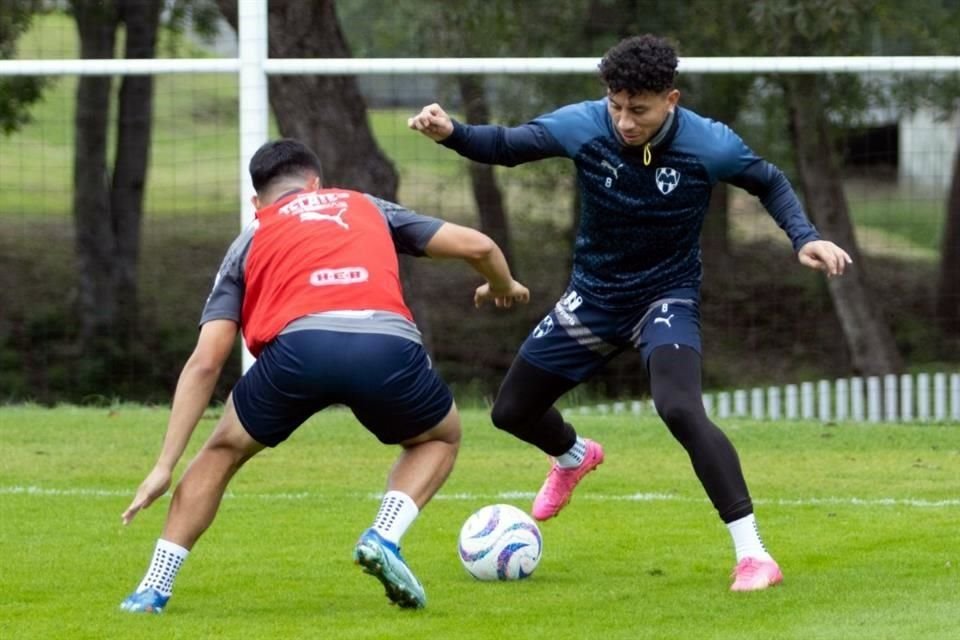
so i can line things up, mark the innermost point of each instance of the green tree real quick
(470, 28)
(473, 18)
(16, 93)
(824, 27)
(937, 34)
(326, 112)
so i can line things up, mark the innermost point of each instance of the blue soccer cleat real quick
(382, 560)
(146, 601)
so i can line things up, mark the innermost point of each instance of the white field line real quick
(514, 495)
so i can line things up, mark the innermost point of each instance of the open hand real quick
(153, 486)
(825, 256)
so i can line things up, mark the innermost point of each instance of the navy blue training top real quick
(641, 218)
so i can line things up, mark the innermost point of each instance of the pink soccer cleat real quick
(558, 487)
(753, 574)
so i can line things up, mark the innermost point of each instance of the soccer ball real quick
(500, 542)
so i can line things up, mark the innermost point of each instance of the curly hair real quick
(639, 64)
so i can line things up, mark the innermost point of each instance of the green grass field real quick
(862, 519)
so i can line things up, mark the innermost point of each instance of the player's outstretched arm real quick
(433, 122)
(825, 256)
(486, 258)
(194, 389)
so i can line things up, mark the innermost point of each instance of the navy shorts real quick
(387, 381)
(577, 337)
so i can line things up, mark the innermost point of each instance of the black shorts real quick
(578, 337)
(387, 381)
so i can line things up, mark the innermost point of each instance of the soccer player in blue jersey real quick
(645, 169)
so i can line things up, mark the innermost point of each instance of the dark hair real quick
(639, 64)
(282, 158)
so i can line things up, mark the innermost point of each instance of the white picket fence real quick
(922, 397)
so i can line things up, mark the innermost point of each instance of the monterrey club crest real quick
(545, 327)
(667, 179)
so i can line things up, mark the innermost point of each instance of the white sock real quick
(746, 539)
(573, 457)
(167, 560)
(397, 513)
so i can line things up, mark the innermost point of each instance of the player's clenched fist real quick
(433, 122)
(504, 298)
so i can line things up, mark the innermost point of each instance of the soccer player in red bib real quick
(314, 285)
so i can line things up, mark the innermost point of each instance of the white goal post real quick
(440, 66)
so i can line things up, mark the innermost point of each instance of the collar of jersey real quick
(665, 134)
(283, 197)
(286, 195)
(661, 138)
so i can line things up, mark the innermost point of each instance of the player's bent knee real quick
(682, 418)
(447, 431)
(506, 417)
(231, 438)
(677, 414)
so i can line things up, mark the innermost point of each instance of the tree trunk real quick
(134, 128)
(486, 190)
(328, 113)
(873, 350)
(96, 25)
(948, 291)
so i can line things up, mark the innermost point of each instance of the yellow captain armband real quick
(647, 155)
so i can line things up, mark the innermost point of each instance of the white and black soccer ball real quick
(500, 542)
